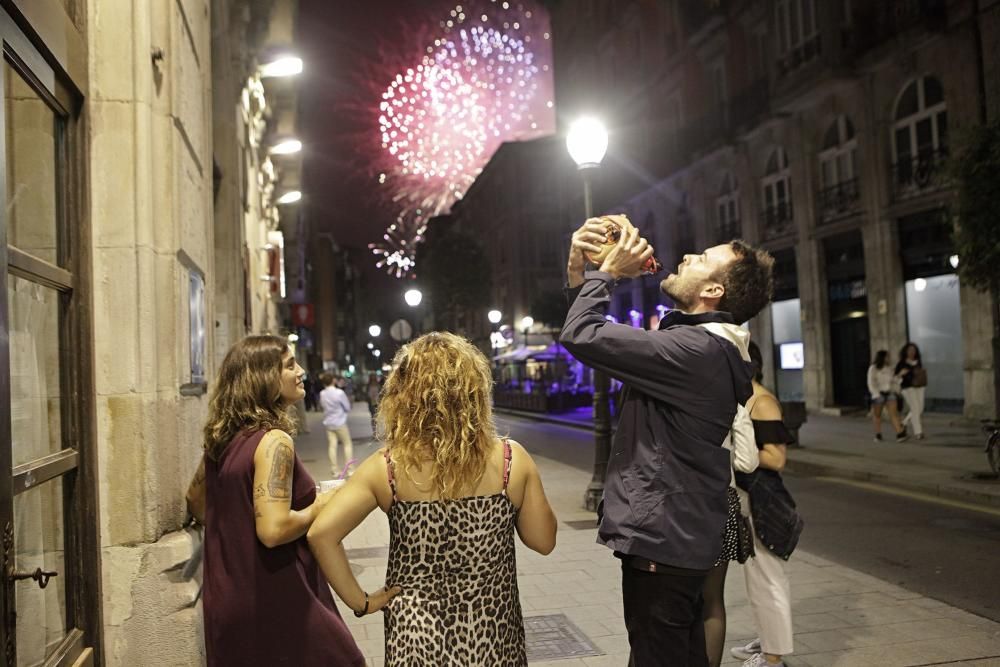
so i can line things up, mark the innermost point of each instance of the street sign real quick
(400, 330)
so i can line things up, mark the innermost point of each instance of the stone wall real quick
(151, 188)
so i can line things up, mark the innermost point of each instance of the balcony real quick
(777, 221)
(914, 175)
(878, 22)
(839, 201)
(802, 54)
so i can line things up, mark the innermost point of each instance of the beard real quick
(681, 293)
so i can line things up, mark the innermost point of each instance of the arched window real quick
(838, 175)
(776, 184)
(919, 135)
(727, 209)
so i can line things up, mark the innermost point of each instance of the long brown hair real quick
(247, 393)
(437, 409)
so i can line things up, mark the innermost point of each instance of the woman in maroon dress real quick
(265, 600)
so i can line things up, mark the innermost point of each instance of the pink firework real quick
(481, 80)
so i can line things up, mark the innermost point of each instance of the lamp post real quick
(526, 323)
(413, 297)
(494, 316)
(587, 142)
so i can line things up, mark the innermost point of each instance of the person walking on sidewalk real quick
(265, 601)
(665, 500)
(336, 406)
(913, 383)
(776, 527)
(882, 389)
(455, 493)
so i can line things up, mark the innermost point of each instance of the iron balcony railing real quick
(916, 174)
(777, 220)
(839, 200)
(804, 53)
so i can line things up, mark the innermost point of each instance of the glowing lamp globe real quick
(587, 142)
(527, 322)
(413, 297)
(286, 147)
(374, 331)
(494, 316)
(281, 66)
(290, 197)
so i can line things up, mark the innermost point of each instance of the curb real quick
(542, 417)
(818, 469)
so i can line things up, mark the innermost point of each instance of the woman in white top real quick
(882, 387)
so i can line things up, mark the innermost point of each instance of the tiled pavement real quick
(841, 616)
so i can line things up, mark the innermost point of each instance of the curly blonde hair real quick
(437, 408)
(247, 393)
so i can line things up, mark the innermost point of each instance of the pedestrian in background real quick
(265, 599)
(776, 527)
(882, 389)
(336, 407)
(665, 503)
(373, 389)
(913, 382)
(454, 493)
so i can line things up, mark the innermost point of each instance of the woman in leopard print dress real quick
(454, 493)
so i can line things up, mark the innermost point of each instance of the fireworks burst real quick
(482, 80)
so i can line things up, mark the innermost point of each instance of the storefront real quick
(933, 306)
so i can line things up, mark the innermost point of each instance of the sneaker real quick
(878, 437)
(902, 436)
(748, 651)
(920, 436)
(758, 660)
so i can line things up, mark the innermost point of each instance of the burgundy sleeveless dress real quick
(264, 606)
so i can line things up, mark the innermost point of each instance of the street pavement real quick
(572, 598)
(949, 462)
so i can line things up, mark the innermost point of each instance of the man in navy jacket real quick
(665, 504)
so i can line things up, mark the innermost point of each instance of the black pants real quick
(663, 618)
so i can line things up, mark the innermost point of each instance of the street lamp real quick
(282, 66)
(286, 147)
(526, 323)
(413, 297)
(374, 330)
(290, 197)
(494, 316)
(587, 142)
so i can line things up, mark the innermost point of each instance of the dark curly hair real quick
(747, 280)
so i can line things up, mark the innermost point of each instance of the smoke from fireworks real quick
(483, 79)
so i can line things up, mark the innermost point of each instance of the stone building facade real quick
(140, 238)
(819, 130)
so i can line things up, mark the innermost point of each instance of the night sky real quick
(351, 50)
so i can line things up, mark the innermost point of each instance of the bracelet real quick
(364, 611)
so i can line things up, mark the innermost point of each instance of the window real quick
(838, 171)
(798, 37)
(44, 439)
(776, 185)
(727, 210)
(919, 136)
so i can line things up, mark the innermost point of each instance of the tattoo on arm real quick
(258, 491)
(279, 484)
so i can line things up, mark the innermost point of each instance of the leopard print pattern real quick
(455, 562)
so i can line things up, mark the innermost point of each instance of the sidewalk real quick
(949, 463)
(572, 598)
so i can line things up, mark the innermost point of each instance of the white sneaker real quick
(759, 660)
(748, 651)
